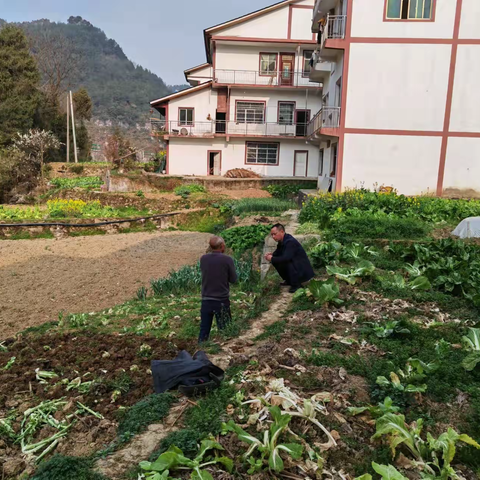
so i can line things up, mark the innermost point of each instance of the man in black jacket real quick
(290, 259)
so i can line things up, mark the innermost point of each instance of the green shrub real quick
(368, 226)
(80, 182)
(262, 205)
(287, 190)
(240, 239)
(76, 169)
(151, 409)
(186, 190)
(61, 468)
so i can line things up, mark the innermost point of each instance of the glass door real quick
(287, 63)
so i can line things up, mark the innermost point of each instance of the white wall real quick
(470, 22)
(204, 102)
(367, 21)
(466, 92)
(271, 25)
(189, 156)
(201, 75)
(409, 164)
(398, 86)
(301, 24)
(462, 166)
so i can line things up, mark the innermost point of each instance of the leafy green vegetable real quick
(350, 275)
(472, 343)
(388, 328)
(387, 472)
(321, 292)
(376, 411)
(240, 239)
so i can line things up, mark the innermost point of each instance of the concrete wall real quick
(204, 102)
(189, 157)
(201, 75)
(409, 164)
(398, 86)
(470, 21)
(367, 21)
(462, 166)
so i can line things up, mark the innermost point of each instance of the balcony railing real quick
(327, 117)
(209, 129)
(335, 28)
(254, 77)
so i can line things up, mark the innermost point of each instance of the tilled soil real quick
(40, 278)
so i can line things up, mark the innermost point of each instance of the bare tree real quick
(57, 62)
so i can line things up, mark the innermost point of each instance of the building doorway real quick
(214, 163)
(300, 163)
(287, 63)
(221, 123)
(302, 117)
(333, 160)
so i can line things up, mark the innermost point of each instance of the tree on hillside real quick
(19, 79)
(57, 61)
(118, 150)
(35, 144)
(83, 111)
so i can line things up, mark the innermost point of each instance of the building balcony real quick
(325, 123)
(333, 36)
(161, 128)
(254, 78)
(321, 69)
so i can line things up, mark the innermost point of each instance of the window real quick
(320, 162)
(409, 9)
(185, 116)
(250, 112)
(307, 67)
(268, 64)
(286, 112)
(333, 161)
(262, 153)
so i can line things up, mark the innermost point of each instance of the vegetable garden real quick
(373, 371)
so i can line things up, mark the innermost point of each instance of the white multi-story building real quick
(250, 105)
(400, 92)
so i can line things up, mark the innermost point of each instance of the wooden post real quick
(68, 129)
(73, 128)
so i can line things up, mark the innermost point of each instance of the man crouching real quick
(218, 272)
(289, 259)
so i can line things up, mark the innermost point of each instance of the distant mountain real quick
(177, 88)
(120, 90)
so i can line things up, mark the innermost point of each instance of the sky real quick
(165, 36)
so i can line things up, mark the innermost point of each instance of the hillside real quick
(120, 90)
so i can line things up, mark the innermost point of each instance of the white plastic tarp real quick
(468, 228)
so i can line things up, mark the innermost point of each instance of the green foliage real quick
(390, 327)
(287, 190)
(270, 447)
(151, 409)
(185, 190)
(355, 203)
(76, 169)
(321, 292)
(240, 239)
(60, 468)
(186, 279)
(174, 459)
(247, 206)
(19, 79)
(387, 472)
(376, 411)
(364, 268)
(273, 331)
(369, 226)
(80, 182)
(325, 254)
(83, 104)
(309, 228)
(472, 344)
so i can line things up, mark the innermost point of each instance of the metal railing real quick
(335, 28)
(273, 79)
(221, 127)
(327, 117)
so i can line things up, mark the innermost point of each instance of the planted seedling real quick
(432, 456)
(387, 472)
(9, 364)
(321, 292)
(364, 268)
(376, 411)
(174, 459)
(270, 447)
(472, 344)
(385, 330)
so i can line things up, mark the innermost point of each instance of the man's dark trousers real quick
(220, 309)
(289, 273)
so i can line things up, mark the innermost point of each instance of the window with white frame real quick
(186, 116)
(409, 9)
(286, 113)
(307, 67)
(262, 153)
(250, 112)
(268, 64)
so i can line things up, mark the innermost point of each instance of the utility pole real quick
(68, 129)
(73, 128)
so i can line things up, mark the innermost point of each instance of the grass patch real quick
(273, 331)
(150, 410)
(61, 468)
(287, 190)
(262, 205)
(79, 182)
(208, 221)
(26, 235)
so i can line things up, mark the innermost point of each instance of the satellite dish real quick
(184, 132)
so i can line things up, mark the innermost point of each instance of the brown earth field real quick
(40, 278)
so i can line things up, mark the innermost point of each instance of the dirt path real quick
(40, 278)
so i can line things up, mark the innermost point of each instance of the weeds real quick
(240, 239)
(255, 206)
